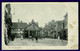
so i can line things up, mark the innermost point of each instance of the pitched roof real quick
(32, 26)
(19, 25)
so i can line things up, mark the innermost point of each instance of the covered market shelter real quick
(32, 30)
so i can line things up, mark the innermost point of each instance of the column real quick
(28, 33)
(36, 33)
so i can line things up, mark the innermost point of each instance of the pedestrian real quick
(32, 37)
(13, 36)
(36, 38)
(21, 37)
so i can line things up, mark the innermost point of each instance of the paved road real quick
(41, 42)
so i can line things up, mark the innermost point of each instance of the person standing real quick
(21, 37)
(36, 37)
(32, 37)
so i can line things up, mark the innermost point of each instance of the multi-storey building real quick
(58, 27)
(66, 25)
(7, 23)
(18, 28)
(61, 28)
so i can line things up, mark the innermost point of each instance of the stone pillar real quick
(36, 33)
(28, 33)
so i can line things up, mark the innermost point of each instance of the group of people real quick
(32, 37)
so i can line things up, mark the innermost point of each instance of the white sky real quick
(41, 13)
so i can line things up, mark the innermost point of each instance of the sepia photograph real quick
(27, 25)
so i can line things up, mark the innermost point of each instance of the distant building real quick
(66, 21)
(18, 28)
(61, 28)
(58, 27)
(49, 29)
(66, 25)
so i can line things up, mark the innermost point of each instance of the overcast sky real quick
(41, 13)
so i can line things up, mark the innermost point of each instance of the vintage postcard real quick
(39, 25)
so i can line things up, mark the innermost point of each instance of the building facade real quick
(7, 23)
(61, 28)
(24, 30)
(66, 26)
(18, 29)
(49, 29)
(58, 27)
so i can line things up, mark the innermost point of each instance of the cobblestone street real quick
(41, 42)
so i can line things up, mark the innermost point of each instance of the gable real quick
(32, 27)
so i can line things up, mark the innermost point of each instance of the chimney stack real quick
(18, 20)
(21, 21)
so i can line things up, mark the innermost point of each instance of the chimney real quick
(18, 20)
(21, 21)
